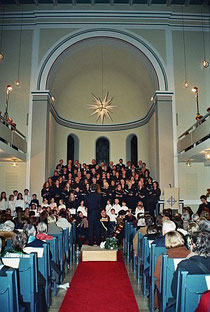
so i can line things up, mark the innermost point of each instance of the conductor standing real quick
(92, 202)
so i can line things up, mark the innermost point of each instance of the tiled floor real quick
(57, 300)
(141, 301)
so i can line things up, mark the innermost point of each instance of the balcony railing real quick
(195, 135)
(11, 136)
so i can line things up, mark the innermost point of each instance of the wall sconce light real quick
(8, 88)
(14, 164)
(205, 63)
(207, 155)
(188, 164)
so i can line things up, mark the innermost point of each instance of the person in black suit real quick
(93, 202)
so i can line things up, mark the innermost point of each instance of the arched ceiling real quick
(127, 75)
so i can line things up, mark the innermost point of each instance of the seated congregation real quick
(129, 211)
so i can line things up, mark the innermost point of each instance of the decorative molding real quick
(97, 127)
(45, 96)
(120, 18)
(118, 14)
(156, 61)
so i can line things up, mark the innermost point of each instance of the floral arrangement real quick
(109, 243)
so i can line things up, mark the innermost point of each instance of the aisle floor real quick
(141, 301)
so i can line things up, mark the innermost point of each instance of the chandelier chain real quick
(102, 72)
(20, 42)
(184, 45)
(2, 26)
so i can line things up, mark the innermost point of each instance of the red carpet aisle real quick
(100, 287)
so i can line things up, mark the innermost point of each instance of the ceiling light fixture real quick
(1, 39)
(186, 84)
(17, 82)
(205, 62)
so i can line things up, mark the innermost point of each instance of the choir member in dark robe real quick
(46, 191)
(153, 198)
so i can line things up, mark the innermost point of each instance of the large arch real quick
(57, 52)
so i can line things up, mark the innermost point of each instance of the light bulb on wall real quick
(188, 163)
(17, 83)
(207, 156)
(195, 89)
(8, 89)
(186, 84)
(205, 63)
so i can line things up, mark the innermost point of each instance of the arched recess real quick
(72, 147)
(132, 149)
(102, 150)
(55, 55)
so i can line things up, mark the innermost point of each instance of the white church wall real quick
(19, 97)
(87, 141)
(49, 36)
(193, 182)
(12, 177)
(196, 75)
(155, 37)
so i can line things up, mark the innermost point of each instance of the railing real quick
(11, 136)
(196, 134)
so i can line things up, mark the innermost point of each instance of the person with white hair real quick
(62, 220)
(30, 230)
(52, 227)
(168, 226)
(7, 229)
(42, 232)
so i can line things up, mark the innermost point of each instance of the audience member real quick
(175, 244)
(198, 264)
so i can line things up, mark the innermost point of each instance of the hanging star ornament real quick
(102, 108)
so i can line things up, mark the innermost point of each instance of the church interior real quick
(109, 89)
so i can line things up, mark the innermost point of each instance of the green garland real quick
(111, 243)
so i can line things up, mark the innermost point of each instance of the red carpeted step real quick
(100, 287)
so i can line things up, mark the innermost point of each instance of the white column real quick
(39, 141)
(164, 130)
